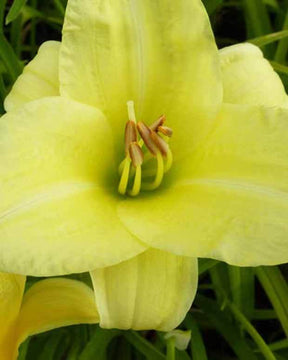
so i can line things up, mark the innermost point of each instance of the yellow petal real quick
(161, 54)
(57, 211)
(11, 292)
(233, 206)
(151, 291)
(248, 78)
(39, 79)
(54, 303)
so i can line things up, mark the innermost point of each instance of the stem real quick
(170, 355)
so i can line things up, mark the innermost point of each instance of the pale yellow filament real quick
(159, 174)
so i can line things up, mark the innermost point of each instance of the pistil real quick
(153, 143)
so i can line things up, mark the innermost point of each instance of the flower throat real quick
(148, 156)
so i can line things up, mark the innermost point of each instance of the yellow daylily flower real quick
(222, 194)
(249, 79)
(47, 305)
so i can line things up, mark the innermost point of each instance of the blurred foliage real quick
(239, 313)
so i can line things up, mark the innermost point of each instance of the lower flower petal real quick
(54, 303)
(234, 204)
(39, 79)
(57, 213)
(154, 290)
(248, 78)
(11, 293)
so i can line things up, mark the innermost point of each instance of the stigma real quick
(147, 154)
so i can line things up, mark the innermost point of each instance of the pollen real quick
(147, 154)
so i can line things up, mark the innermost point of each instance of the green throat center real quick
(148, 156)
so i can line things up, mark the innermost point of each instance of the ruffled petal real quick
(58, 203)
(11, 293)
(54, 303)
(161, 54)
(154, 290)
(233, 205)
(248, 78)
(40, 77)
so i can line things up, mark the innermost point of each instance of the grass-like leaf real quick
(14, 10)
(221, 321)
(96, 348)
(268, 39)
(276, 289)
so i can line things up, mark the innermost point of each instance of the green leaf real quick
(212, 5)
(143, 346)
(2, 9)
(15, 10)
(23, 350)
(257, 17)
(97, 346)
(2, 93)
(59, 7)
(220, 281)
(272, 3)
(242, 288)
(249, 328)
(181, 355)
(268, 39)
(279, 345)
(282, 69)
(276, 289)
(282, 46)
(197, 346)
(49, 351)
(206, 264)
(10, 60)
(221, 321)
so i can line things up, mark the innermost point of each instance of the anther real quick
(165, 130)
(145, 133)
(136, 154)
(160, 143)
(130, 135)
(159, 122)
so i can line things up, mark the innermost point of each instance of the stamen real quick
(160, 143)
(124, 177)
(169, 160)
(159, 174)
(167, 165)
(165, 130)
(137, 182)
(145, 133)
(131, 111)
(136, 154)
(130, 135)
(159, 122)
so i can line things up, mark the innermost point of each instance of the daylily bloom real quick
(138, 212)
(47, 305)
